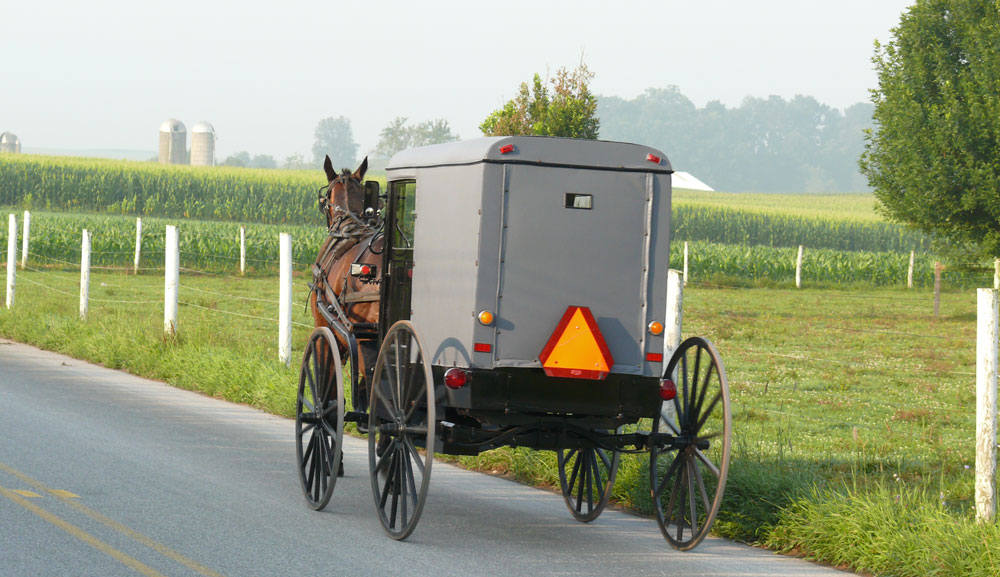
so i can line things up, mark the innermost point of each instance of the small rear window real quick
(584, 201)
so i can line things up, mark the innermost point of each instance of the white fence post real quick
(909, 273)
(986, 403)
(171, 281)
(138, 245)
(11, 258)
(996, 274)
(84, 274)
(243, 250)
(685, 263)
(798, 269)
(24, 239)
(675, 305)
(285, 300)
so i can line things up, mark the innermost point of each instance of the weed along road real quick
(105, 474)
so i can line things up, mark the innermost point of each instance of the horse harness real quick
(346, 230)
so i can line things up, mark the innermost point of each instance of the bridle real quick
(326, 207)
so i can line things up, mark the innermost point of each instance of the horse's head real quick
(343, 190)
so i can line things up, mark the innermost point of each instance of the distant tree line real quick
(762, 145)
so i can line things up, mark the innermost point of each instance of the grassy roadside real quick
(854, 432)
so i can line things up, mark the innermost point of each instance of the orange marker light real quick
(655, 328)
(485, 318)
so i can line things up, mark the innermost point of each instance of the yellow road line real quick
(68, 498)
(64, 494)
(28, 494)
(82, 535)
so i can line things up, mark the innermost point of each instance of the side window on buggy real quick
(404, 214)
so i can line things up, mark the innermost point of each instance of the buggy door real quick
(397, 280)
(577, 237)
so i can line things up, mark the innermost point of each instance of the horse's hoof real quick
(340, 469)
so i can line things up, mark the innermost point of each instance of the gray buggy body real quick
(524, 227)
(522, 290)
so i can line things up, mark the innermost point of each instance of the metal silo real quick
(173, 142)
(202, 144)
(9, 142)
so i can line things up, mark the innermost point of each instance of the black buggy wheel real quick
(687, 480)
(401, 422)
(586, 477)
(319, 418)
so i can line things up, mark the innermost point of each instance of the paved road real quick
(105, 474)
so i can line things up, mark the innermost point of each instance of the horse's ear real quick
(328, 168)
(360, 172)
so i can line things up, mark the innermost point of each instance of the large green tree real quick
(933, 157)
(570, 110)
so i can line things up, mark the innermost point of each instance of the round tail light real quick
(455, 378)
(668, 390)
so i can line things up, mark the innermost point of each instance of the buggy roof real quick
(535, 150)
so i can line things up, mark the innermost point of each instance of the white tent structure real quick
(688, 181)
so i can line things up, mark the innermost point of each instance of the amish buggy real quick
(509, 291)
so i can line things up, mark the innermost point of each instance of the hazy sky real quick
(105, 74)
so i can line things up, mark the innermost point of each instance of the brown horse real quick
(352, 240)
(348, 243)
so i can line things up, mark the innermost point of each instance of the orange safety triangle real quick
(576, 348)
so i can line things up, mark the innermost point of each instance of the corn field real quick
(745, 227)
(148, 189)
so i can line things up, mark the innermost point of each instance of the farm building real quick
(10, 143)
(689, 181)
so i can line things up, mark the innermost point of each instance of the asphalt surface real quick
(106, 474)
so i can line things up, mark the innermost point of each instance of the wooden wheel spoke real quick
(598, 483)
(700, 482)
(399, 377)
(708, 412)
(315, 377)
(604, 458)
(683, 396)
(666, 420)
(576, 471)
(390, 474)
(305, 403)
(412, 451)
(694, 383)
(581, 479)
(707, 462)
(384, 461)
(662, 484)
(704, 391)
(411, 482)
(691, 495)
(670, 503)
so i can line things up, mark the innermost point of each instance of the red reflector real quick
(366, 270)
(653, 158)
(654, 357)
(668, 390)
(455, 378)
(482, 347)
(506, 148)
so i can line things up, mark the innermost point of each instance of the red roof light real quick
(506, 148)
(653, 158)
